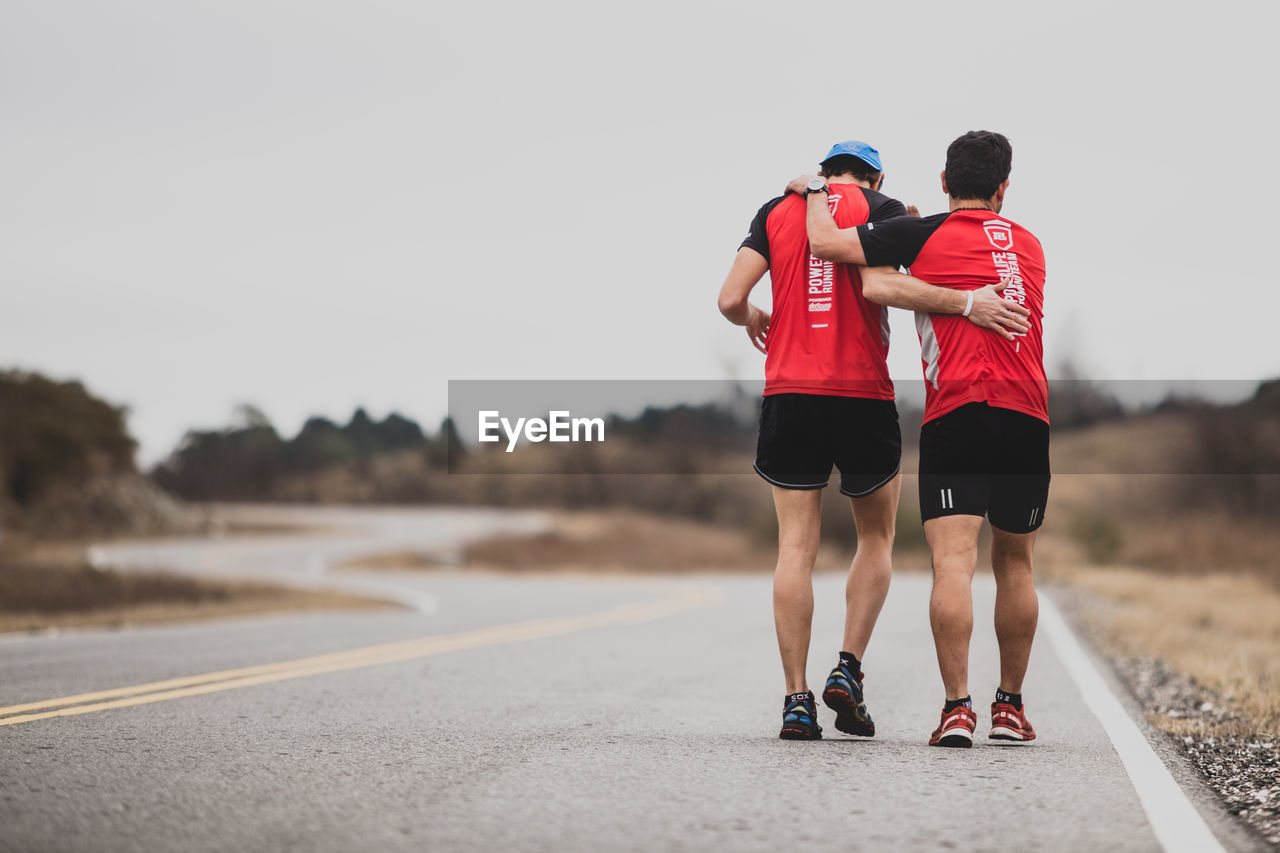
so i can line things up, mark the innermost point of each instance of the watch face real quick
(817, 185)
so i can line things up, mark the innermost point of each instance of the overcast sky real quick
(313, 205)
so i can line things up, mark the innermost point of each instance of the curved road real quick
(541, 713)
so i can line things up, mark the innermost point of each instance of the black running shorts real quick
(803, 435)
(981, 460)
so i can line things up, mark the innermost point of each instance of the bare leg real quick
(953, 541)
(868, 583)
(799, 526)
(1017, 607)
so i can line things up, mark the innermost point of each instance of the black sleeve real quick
(758, 233)
(882, 207)
(896, 242)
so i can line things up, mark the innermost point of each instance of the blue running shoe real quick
(843, 694)
(800, 718)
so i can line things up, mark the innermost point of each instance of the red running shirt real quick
(824, 337)
(965, 250)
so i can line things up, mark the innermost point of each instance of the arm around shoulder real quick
(887, 286)
(827, 240)
(983, 307)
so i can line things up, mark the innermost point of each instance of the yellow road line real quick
(231, 679)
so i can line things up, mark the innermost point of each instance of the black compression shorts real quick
(981, 460)
(803, 435)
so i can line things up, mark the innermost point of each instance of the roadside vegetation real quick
(67, 473)
(67, 467)
(43, 592)
(1183, 551)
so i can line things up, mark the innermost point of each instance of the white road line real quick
(1177, 824)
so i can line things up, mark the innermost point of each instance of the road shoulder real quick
(1079, 611)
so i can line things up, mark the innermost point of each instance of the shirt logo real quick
(821, 284)
(1006, 266)
(999, 233)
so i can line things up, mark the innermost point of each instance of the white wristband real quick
(968, 305)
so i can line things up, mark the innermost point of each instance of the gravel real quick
(1244, 770)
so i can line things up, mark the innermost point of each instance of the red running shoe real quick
(1009, 723)
(956, 728)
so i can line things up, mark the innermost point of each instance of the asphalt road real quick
(527, 713)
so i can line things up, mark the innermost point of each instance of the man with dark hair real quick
(984, 445)
(828, 400)
(859, 170)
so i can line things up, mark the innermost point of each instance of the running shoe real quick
(843, 694)
(956, 728)
(1010, 723)
(800, 718)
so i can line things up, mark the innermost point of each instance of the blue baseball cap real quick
(861, 150)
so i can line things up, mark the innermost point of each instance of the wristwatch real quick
(817, 185)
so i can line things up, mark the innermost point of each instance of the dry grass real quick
(396, 561)
(616, 541)
(623, 541)
(1184, 579)
(1116, 520)
(1206, 543)
(246, 527)
(1149, 443)
(1121, 490)
(1223, 630)
(1199, 728)
(43, 593)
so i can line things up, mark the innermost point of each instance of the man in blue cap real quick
(828, 400)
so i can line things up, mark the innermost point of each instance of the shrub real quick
(1101, 537)
(55, 432)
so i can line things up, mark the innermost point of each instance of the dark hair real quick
(847, 164)
(977, 164)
